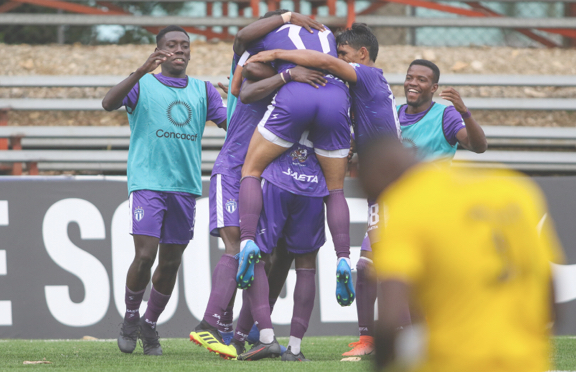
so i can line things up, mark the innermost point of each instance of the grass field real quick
(181, 354)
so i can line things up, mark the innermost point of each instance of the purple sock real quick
(258, 295)
(245, 320)
(338, 217)
(365, 297)
(223, 287)
(156, 305)
(304, 294)
(226, 321)
(133, 301)
(272, 303)
(249, 207)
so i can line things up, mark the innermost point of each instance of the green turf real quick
(179, 355)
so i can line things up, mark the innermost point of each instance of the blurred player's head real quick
(174, 39)
(357, 44)
(274, 12)
(382, 161)
(421, 82)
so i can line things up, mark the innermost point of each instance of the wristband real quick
(286, 76)
(286, 17)
(466, 115)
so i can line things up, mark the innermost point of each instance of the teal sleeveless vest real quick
(166, 132)
(427, 135)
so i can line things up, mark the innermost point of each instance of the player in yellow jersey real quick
(461, 245)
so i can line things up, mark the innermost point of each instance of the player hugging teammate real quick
(284, 158)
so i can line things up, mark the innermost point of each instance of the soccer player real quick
(293, 190)
(374, 110)
(432, 129)
(296, 108)
(167, 114)
(463, 245)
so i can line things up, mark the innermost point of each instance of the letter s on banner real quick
(76, 261)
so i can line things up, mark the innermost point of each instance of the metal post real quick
(60, 31)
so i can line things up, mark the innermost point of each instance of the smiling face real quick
(177, 43)
(419, 86)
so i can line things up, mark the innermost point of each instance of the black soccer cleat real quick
(128, 336)
(149, 338)
(261, 350)
(289, 356)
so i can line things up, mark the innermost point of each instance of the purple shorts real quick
(223, 202)
(168, 216)
(298, 107)
(299, 219)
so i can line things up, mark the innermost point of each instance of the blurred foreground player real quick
(478, 270)
(167, 114)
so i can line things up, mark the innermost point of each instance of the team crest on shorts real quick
(231, 206)
(299, 154)
(138, 213)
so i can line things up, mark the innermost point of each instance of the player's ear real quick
(434, 88)
(364, 53)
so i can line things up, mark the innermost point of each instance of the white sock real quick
(243, 244)
(294, 345)
(266, 335)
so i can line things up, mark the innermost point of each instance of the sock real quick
(156, 305)
(223, 287)
(249, 206)
(272, 302)
(225, 324)
(294, 344)
(245, 320)
(133, 301)
(338, 218)
(365, 297)
(258, 295)
(266, 335)
(304, 294)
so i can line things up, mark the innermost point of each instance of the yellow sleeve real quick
(399, 253)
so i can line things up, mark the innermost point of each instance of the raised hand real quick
(224, 87)
(452, 95)
(155, 60)
(306, 22)
(308, 76)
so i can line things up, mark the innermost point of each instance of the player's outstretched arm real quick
(310, 58)
(472, 137)
(114, 97)
(256, 90)
(263, 26)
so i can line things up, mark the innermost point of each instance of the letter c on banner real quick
(76, 261)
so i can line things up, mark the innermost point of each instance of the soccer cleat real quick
(344, 287)
(253, 335)
(238, 345)
(363, 347)
(289, 356)
(207, 336)
(261, 350)
(247, 258)
(149, 338)
(128, 336)
(226, 337)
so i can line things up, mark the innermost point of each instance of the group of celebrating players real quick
(300, 102)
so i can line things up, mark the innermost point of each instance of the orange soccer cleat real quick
(363, 347)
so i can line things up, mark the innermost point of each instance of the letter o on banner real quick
(76, 261)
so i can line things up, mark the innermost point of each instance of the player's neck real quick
(418, 109)
(180, 75)
(368, 63)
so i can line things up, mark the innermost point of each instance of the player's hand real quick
(352, 148)
(224, 87)
(155, 60)
(452, 95)
(308, 76)
(306, 22)
(264, 57)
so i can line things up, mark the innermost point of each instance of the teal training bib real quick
(427, 135)
(165, 141)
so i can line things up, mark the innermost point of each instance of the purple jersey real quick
(373, 105)
(452, 122)
(240, 131)
(216, 110)
(297, 170)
